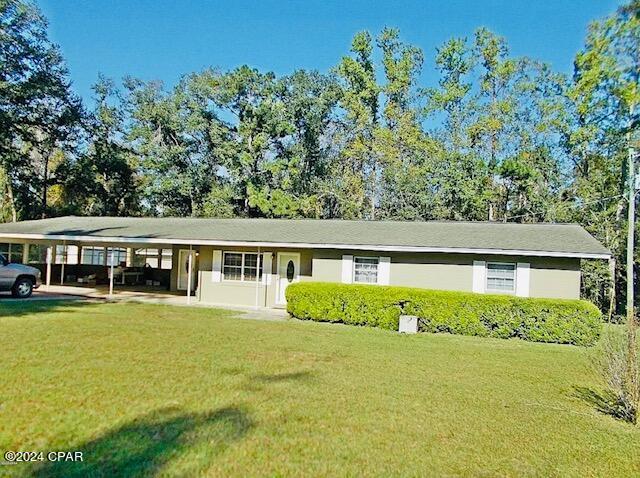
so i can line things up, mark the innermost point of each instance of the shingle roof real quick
(569, 240)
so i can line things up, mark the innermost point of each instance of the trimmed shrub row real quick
(575, 322)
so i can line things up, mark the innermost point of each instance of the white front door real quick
(288, 272)
(183, 269)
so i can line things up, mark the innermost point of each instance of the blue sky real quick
(162, 39)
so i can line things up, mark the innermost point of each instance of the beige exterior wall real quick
(549, 277)
(556, 278)
(248, 293)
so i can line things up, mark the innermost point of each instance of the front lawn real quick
(149, 389)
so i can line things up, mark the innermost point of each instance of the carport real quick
(94, 260)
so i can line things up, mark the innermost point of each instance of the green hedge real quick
(539, 320)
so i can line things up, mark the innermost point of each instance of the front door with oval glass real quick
(288, 272)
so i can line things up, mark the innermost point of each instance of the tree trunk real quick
(8, 192)
(45, 185)
(12, 201)
(373, 193)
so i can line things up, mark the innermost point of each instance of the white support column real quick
(111, 274)
(63, 261)
(384, 270)
(216, 266)
(49, 260)
(479, 277)
(189, 272)
(523, 274)
(347, 269)
(259, 260)
(25, 253)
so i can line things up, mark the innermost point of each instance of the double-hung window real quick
(66, 254)
(117, 254)
(12, 252)
(156, 258)
(37, 254)
(92, 255)
(241, 266)
(365, 270)
(501, 277)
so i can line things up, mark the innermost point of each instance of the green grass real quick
(148, 389)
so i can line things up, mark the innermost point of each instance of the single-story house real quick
(250, 262)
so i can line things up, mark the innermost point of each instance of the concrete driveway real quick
(58, 292)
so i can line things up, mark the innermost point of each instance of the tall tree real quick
(500, 118)
(459, 175)
(601, 134)
(39, 116)
(360, 165)
(257, 129)
(603, 141)
(174, 135)
(102, 181)
(405, 152)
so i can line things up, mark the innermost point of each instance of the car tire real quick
(22, 289)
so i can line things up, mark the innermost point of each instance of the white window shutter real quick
(216, 266)
(522, 279)
(266, 268)
(384, 270)
(347, 269)
(479, 276)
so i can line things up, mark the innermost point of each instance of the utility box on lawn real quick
(408, 324)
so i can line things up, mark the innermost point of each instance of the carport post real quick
(111, 275)
(189, 272)
(258, 276)
(49, 257)
(64, 259)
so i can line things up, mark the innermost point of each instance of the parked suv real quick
(18, 278)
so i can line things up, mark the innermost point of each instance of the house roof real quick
(544, 239)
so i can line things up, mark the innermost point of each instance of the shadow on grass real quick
(605, 402)
(16, 307)
(282, 377)
(256, 383)
(144, 446)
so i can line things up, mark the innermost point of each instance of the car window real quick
(3, 261)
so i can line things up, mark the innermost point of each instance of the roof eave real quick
(367, 247)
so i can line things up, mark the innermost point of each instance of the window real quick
(167, 259)
(241, 266)
(66, 254)
(251, 267)
(501, 277)
(142, 257)
(93, 255)
(37, 254)
(365, 270)
(12, 252)
(119, 255)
